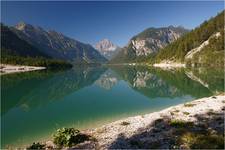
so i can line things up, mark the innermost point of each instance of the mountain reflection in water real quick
(34, 104)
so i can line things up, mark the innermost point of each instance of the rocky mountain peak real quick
(107, 48)
(152, 39)
(23, 26)
(149, 42)
(105, 45)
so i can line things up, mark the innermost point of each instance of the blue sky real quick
(91, 21)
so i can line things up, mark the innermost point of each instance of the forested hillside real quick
(212, 53)
(13, 45)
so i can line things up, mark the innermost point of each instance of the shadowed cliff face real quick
(57, 45)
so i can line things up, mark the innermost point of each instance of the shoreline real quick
(159, 65)
(8, 68)
(169, 65)
(155, 128)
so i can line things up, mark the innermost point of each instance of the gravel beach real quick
(177, 127)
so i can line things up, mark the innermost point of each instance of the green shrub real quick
(201, 141)
(68, 137)
(180, 124)
(186, 113)
(35, 61)
(124, 123)
(189, 105)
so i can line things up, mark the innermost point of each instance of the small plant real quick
(69, 137)
(180, 123)
(186, 113)
(176, 111)
(36, 146)
(172, 113)
(189, 105)
(124, 123)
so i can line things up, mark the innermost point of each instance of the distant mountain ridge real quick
(107, 48)
(149, 42)
(202, 45)
(17, 51)
(57, 45)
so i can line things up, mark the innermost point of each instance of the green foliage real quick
(34, 61)
(178, 49)
(180, 124)
(189, 105)
(186, 113)
(198, 141)
(124, 123)
(212, 54)
(68, 137)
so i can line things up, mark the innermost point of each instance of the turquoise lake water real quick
(35, 104)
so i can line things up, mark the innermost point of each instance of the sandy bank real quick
(6, 68)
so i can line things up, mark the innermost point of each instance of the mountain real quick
(17, 51)
(57, 45)
(148, 43)
(204, 45)
(107, 48)
(11, 44)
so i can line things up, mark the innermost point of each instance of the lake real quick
(35, 104)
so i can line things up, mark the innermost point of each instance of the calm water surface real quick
(35, 104)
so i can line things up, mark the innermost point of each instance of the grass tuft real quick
(180, 124)
(124, 123)
(189, 105)
(186, 113)
(201, 141)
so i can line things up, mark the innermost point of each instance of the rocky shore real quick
(197, 124)
(6, 68)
